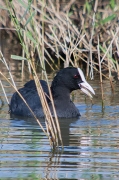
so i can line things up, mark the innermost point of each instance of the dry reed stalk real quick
(3, 89)
(101, 83)
(117, 31)
(5, 63)
(50, 125)
(91, 39)
(58, 17)
(98, 50)
(65, 23)
(23, 100)
(53, 129)
(110, 66)
(54, 39)
(56, 31)
(47, 112)
(93, 67)
(45, 50)
(117, 65)
(68, 5)
(23, 55)
(56, 119)
(57, 5)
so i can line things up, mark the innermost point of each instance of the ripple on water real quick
(91, 146)
(90, 149)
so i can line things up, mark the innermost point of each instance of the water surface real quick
(91, 142)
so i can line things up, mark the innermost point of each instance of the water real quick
(91, 142)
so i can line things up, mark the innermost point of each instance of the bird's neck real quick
(60, 93)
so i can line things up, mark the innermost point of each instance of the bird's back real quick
(30, 94)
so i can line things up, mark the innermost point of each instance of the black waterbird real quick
(66, 81)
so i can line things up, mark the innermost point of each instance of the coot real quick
(66, 80)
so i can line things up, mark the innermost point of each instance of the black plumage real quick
(66, 80)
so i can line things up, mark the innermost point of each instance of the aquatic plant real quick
(70, 32)
(73, 33)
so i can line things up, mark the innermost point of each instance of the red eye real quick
(76, 76)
